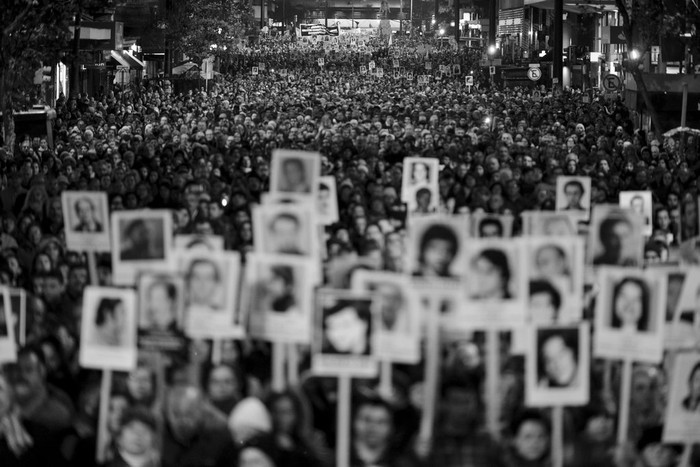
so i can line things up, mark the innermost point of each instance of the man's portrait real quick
(295, 174)
(574, 196)
(615, 237)
(85, 216)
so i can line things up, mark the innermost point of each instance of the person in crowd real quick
(530, 445)
(136, 440)
(223, 388)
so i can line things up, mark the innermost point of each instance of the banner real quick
(317, 30)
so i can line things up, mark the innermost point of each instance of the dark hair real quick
(642, 324)
(575, 183)
(374, 402)
(608, 224)
(423, 191)
(84, 198)
(133, 225)
(544, 286)
(499, 259)
(528, 415)
(491, 221)
(437, 232)
(170, 288)
(362, 309)
(105, 308)
(693, 370)
(138, 414)
(570, 338)
(283, 216)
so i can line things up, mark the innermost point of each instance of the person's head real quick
(203, 280)
(294, 172)
(637, 204)
(551, 261)
(110, 320)
(420, 172)
(28, 375)
(161, 297)
(573, 191)
(373, 424)
(462, 406)
(259, 451)
(284, 230)
(530, 431)
(141, 384)
(437, 250)
(545, 302)
(184, 411)
(6, 396)
(630, 302)
(490, 227)
(137, 233)
(655, 453)
(222, 383)
(558, 356)
(347, 326)
(287, 412)
(613, 233)
(137, 432)
(492, 268)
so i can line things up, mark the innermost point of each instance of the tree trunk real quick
(74, 67)
(642, 88)
(8, 121)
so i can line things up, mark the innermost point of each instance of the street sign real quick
(469, 80)
(555, 80)
(534, 74)
(492, 70)
(122, 67)
(611, 83)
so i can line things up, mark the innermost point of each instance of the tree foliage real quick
(33, 32)
(195, 25)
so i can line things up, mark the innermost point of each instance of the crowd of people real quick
(206, 157)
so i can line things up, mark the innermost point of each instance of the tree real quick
(33, 32)
(642, 26)
(195, 25)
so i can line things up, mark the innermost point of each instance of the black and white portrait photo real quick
(342, 341)
(574, 197)
(419, 188)
(295, 174)
(86, 220)
(639, 202)
(287, 228)
(142, 241)
(558, 365)
(327, 200)
(280, 296)
(436, 246)
(547, 224)
(682, 423)
(615, 237)
(108, 328)
(161, 311)
(486, 225)
(8, 343)
(630, 313)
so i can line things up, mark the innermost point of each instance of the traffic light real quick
(42, 75)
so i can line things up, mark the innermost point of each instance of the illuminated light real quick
(442, 31)
(634, 54)
(492, 49)
(487, 120)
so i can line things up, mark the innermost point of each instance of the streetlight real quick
(634, 54)
(491, 53)
(442, 31)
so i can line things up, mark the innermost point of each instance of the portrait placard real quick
(629, 314)
(486, 225)
(212, 281)
(555, 268)
(641, 203)
(86, 220)
(558, 366)
(436, 246)
(419, 187)
(108, 329)
(615, 237)
(327, 201)
(279, 296)
(161, 299)
(495, 283)
(287, 228)
(683, 306)
(142, 242)
(574, 197)
(394, 314)
(8, 341)
(295, 174)
(682, 423)
(343, 334)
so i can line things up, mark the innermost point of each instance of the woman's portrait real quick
(347, 328)
(160, 306)
(557, 358)
(630, 304)
(278, 289)
(490, 275)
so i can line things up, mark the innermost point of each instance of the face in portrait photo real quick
(574, 196)
(630, 304)
(489, 275)
(142, 240)
(87, 219)
(551, 261)
(285, 228)
(558, 357)
(160, 303)
(437, 250)
(85, 216)
(691, 402)
(545, 302)
(547, 224)
(204, 281)
(279, 289)
(392, 305)
(295, 174)
(573, 193)
(682, 421)
(615, 237)
(327, 201)
(109, 322)
(347, 328)
(490, 227)
(640, 203)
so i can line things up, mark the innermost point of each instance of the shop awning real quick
(126, 59)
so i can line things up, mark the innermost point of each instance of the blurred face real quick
(573, 195)
(346, 331)
(372, 426)
(161, 306)
(222, 384)
(284, 232)
(658, 455)
(628, 304)
(490, 279)
(184, 414)
(531, 440)
(550, 262)
(140, 384)
(438, 256)
(560, 361)
(254, 457)
(113, 326)
(284, 414)
(542, 308)
(203, 282)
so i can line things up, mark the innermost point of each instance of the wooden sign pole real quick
(493, 376)
(344, 422)
(625, 394)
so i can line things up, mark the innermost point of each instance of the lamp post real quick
(491, 53)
